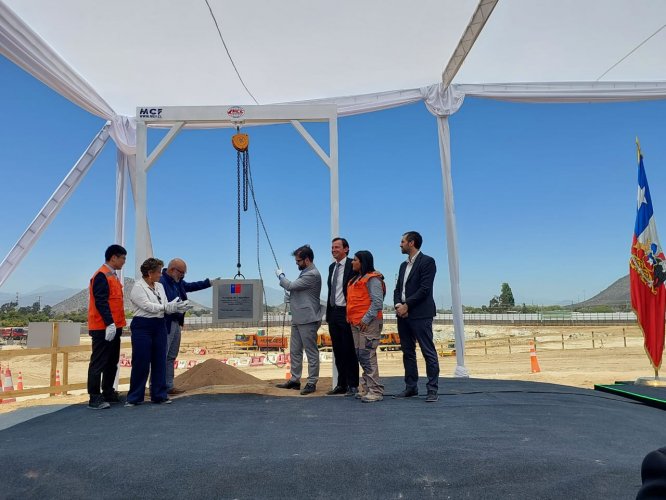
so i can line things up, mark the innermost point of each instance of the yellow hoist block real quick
(240, 142)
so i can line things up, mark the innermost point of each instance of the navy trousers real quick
(412, 330)
(149, 343)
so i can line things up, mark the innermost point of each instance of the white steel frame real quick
(53, 204)
(178, 117)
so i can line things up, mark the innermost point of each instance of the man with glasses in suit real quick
(175, 286)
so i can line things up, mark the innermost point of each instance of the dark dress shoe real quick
(112, 397)
(353, 391)
(289, 384)
(432, 397)
(338, 389)
(407, 393)
(166, 401)
(173, 391)
(308, 389)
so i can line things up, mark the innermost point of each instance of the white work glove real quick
(172, 307)
(110, 332)
(184, 306)
(279, 273)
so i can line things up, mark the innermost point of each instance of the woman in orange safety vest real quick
(365, 300)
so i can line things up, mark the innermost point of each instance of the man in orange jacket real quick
(106, 318)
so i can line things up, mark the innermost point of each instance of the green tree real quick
(506, 297)
(8, 307)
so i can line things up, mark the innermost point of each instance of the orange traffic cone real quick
(9, 385)
(58, 380)
(19, 382)
(533, 358)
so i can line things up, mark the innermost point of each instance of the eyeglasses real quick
(180, 271)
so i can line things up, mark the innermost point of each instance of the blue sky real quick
(545, 195)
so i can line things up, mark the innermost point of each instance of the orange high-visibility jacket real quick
(359, 300)
(95, 320)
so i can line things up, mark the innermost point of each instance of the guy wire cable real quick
(259, 220)
(241, 143)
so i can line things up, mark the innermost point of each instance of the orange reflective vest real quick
(116, 304)
(359, 300)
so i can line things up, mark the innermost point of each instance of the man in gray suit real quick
(305, 319)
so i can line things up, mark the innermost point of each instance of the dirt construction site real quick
(211, 360)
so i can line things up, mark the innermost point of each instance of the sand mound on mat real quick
(213, 372)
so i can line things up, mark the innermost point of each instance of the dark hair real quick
(367, 261)
(150, 264)
(415, 237)
(114, 250)
(345, 243)
(304, 252)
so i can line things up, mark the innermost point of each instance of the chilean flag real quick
(646, 274)
(236, 288)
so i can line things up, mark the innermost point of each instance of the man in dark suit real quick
(415, 308)
(339, 274)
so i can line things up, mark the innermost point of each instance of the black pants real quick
(103, 362)
(343, 347)
(412, 330)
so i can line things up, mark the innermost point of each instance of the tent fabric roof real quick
(151, 53)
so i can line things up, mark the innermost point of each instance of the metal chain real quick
(238, 209)
(243, 158)
(259, 220)
(248, 188)
(246, 167)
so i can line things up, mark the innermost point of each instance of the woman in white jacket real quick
(149, 335)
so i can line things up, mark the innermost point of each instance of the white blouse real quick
(148, 302)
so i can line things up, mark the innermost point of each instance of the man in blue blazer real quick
(173, 281)
(415, 309)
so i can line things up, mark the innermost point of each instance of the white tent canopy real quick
(112, 57)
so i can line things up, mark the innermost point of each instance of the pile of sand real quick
(214, 372)
(215, 377)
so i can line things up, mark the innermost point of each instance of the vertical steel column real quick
(140, 198)
(335, 182)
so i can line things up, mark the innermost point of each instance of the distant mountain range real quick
(46, 295)
(63, 299)
(617, 294)
(79, 300)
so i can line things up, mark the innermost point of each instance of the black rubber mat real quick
(653, 396)
(482, 439)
